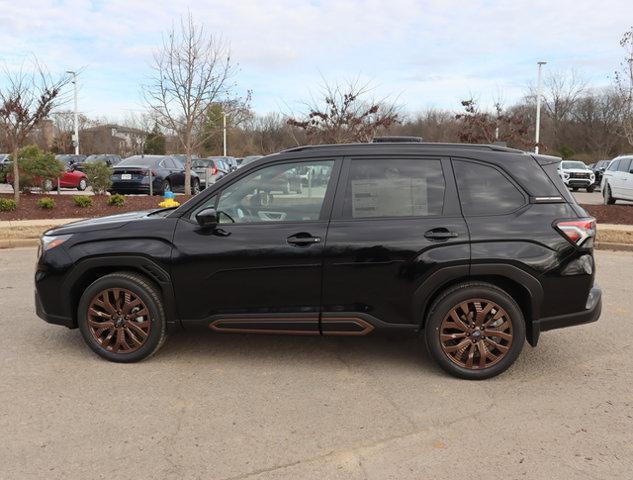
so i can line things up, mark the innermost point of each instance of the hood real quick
(576, 170)
(100, 223)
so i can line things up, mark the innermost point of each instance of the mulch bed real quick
(617, 214)
(65, 207)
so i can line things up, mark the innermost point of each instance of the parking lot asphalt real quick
(211, 406)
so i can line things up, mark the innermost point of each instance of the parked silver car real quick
(210, 169)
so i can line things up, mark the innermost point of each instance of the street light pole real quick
(224, 130)
(538, 107)
(76, 120)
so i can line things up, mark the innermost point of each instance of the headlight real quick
(52, 241)
(592, 177)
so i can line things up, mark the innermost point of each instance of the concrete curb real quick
(23, 233)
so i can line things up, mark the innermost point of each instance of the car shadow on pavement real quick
(406, 354)
(319, 352)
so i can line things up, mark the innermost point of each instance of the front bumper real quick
(54, 319)
(591, 313)
(578, 182)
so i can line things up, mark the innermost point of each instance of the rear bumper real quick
(590, 314)
(54, 319)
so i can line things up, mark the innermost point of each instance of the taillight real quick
(578, 232)
(214, 170)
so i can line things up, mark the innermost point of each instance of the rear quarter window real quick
(484, 190)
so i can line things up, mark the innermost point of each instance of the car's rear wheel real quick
(47, 185)
(121, 317)
(83, 184)
(475, 331)
(195, 189)
(166, 186)
(606, 195)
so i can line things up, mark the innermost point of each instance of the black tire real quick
(574, 189)
(453, 297)
(83, 184)
(590, 189)
(195, 188)
(606, 195)
(166, 187)
(147, 293)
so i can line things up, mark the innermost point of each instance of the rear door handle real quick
(302, 239)
(440, 234)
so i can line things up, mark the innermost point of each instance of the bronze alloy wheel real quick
(119, 320)
(476, 334)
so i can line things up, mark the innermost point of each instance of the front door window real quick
(287, 192)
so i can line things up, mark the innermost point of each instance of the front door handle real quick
(440, 234)
(302, 239)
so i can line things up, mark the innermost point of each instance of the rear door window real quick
(394, 188)
(484, 190)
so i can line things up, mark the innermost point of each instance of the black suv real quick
(475, 247)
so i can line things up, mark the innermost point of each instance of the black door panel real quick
(263, 267)
(412, 228)
(246, 269)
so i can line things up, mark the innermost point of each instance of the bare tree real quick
(63, 123)
(192, 70)
(562, 92)
(345, 113)
(624, 85)
(26, 99)
(143, 122)
(477, 126)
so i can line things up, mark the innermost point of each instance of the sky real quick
(421, 54)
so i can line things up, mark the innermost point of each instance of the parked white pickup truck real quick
(576, 175)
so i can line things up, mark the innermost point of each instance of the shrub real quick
(46, 203)
(116, 200)
(82, 201)
(7, 205)
(99, 177)
(37, 166)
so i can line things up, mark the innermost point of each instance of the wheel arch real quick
(524, 288)
(89, 270)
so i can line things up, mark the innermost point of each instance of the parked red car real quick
(70, 178)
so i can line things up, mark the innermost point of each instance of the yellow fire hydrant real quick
(169, 201)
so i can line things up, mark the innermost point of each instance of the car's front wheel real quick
(590, 189)
(121, 317)
(606, 195)
(195, 188)
(475, 331)
(166, 186)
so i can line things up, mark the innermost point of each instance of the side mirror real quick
(207, 218)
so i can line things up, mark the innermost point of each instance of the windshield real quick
(202, 163)
(138, 160)
(577, 165)
(70, 158)
(97, 158)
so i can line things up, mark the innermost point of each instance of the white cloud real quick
(427, 52)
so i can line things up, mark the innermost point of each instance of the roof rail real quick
(397, 139)
(458, 146)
